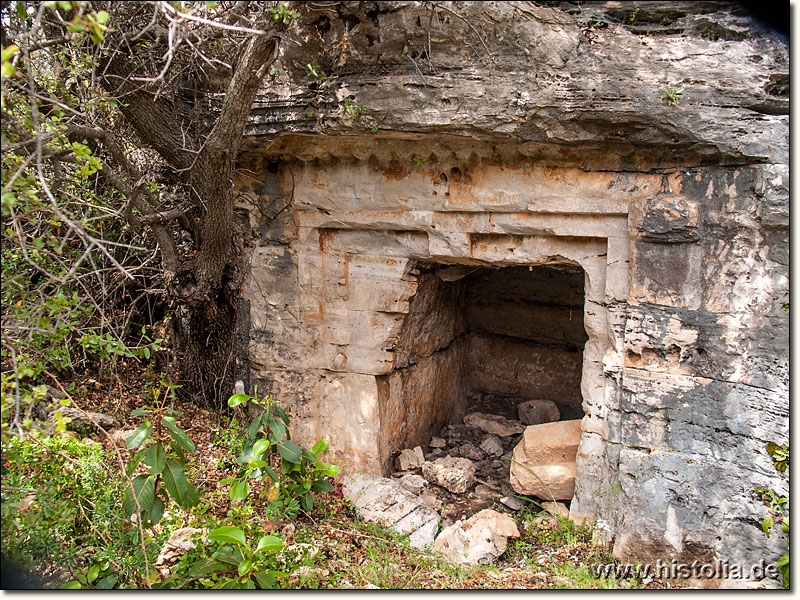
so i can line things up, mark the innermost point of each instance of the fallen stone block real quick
(492, 446)
(480, 539)
(471, 451)
(543, 463)
(494, 424)
(456, 475)
(409, 459)
(535, 412)
(388, 503)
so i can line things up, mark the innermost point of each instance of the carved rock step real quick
(544, 461)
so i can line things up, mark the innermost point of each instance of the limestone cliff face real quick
(508, 134)
(518, 72)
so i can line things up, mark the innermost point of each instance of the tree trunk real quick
(208, 281)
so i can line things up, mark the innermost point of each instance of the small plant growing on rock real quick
(671, 95)
(777, 505)
(633, 17)
(353, 109)
(284, 14)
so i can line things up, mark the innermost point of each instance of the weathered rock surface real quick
(494, 424)
(413, 483)
(534, 412)
(492, 446)
(178, 544)
(120, 436)
(675, 218)
(454, 474)
(552, 78)
(544, 461)
(470, 451)
(480, 539)
(85, 420)
(409, 459)
(384, 501)
(731, 583)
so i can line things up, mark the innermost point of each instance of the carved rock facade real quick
(536, 224)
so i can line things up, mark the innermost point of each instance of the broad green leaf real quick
(260, 447)
(272, 474)
(179, 488)
(309, 457)
(156, 459)
(107, 583)
(144, 488)
(140, 411)
(234, 558)
(766, 525)
(102, 17)
(245, 566)
(94, 572)
(206, 567)
(255, 425)
(328, 469)
(156, 512)
(278, 430)
(320, 447)
(71, 585)
(282, 414)
(269, 543)
(237, 399)
(265, 581)
(289, 451)
(135, 460)
(228, 535)
(246, 455)
(307, 501)
(177, 434)
(180, 456)
(239, 490)
(322, 486)
(138, 437)
(251, 583)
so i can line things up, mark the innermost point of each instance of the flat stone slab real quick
(388, 503)
(494, 424)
